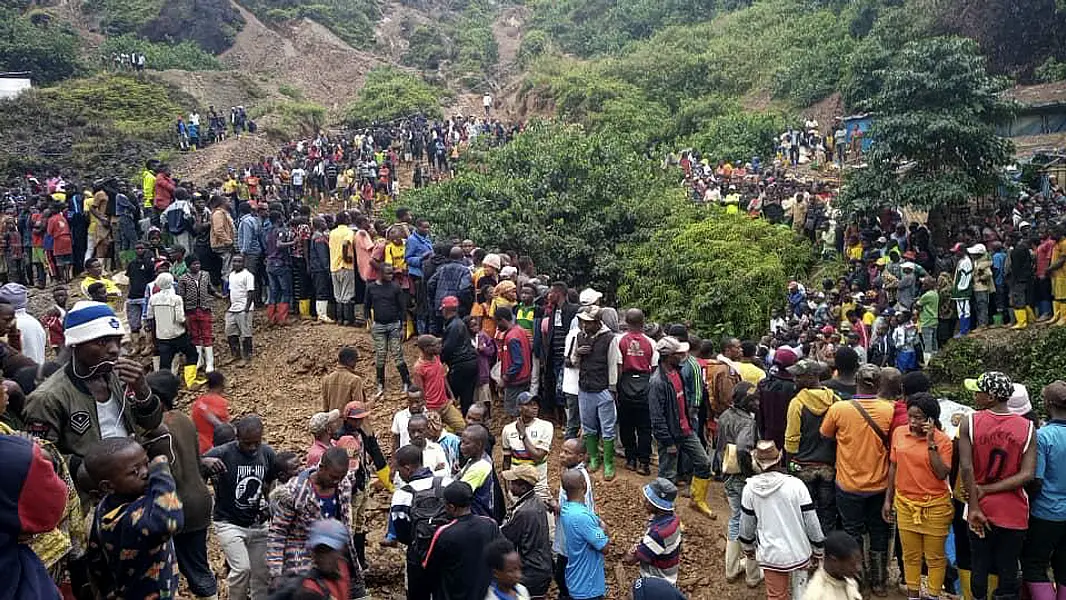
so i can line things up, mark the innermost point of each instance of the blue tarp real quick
(863, 122)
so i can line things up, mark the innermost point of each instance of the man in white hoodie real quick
(778, 514)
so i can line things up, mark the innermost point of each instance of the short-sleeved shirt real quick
(659, 551)
(862, 458)
(434, 388)
(1050, 503)
(540, 433)
(915, 479)
(750, 373)
(241, 285)
(215, 405)
(399, 427)
(240, 490)
(585, 540)
(929, 303)
(337, 238)
(559, 543)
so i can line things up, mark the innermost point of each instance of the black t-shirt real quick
(241, 491)
(844, 390)
(139, 273)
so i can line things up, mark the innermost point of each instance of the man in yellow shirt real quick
(749, 371)
(342, 269)
(148, 182)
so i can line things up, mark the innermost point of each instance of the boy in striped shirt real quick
(659, 551)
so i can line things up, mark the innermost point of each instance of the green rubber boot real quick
(608, 460)
(592, 448)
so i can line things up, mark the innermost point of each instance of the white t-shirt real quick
(34, 339)
(241, 285)
(298, 176)
(110, 416)
(570, 374)
(399, 427)
(486, 101)
(540, 433)
(434, 457)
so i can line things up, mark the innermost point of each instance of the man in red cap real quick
(775, 394)
(365, 452)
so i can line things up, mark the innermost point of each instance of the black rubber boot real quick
(380, 375)
(234, 347)
(359, 541)
(246, 348)
(405, 375)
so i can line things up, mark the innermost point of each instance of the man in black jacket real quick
(457, 351)
(386, 301)
(455, 560)
(527, 528)
(562, 313)
(673, 422)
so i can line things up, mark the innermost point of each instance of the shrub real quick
(351, 20)
(390, 93)
(723, 273)
(427, 48)
(289, 119)
(290, 92)
(47, 49)
(1051, 70)
(161, 55)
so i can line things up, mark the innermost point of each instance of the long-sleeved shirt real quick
(451, 279)
(415, 249)
(778, 514)
(250, 235)
(222, 230)
(131, 554)
(195, 290)
(386, 301)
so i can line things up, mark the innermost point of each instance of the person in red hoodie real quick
(62, 244)
(164, 188)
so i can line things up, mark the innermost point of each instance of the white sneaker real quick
(380, 391)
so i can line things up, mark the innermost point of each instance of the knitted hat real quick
(14, 294)
(88, 321)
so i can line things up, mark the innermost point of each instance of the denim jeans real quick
(280, 281)
(929, 341)
(598, 413)
(861, 514)
(692, 449)
(999, 547)
(734, 487)
(387, 336)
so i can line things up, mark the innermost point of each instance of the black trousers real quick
(1045, 544)
(861, 514)
(462, 377)
(179, 345)
(190, 547)
(634, 417)
(998, 550)
(419, 587)
(560, 576)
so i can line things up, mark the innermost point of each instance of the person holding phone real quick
(918, 493)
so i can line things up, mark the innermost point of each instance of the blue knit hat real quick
(88, 321)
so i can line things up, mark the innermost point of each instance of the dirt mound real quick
(213, 161)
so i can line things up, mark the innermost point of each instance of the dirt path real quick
(282, 385)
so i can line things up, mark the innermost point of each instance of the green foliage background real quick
(47, 48)
(351, 20)
(390, 93)
(160, 55)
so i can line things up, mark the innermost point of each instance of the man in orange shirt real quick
(860, 427)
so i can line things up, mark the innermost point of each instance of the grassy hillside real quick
(102, 125)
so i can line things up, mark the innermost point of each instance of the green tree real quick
(48, 50)
(934, 140)
(390, 93)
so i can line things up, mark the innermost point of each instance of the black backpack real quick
(427, 515)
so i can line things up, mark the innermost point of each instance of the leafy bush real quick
(290, 92)
(88, 128)
(737, 136)
(567, 199)
(1051, 70)
(49, 50)
(390, 93)
(427, 48)
(288, 119)
(351, 20)
(723, 273)
(161, 55)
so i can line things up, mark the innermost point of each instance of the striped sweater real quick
(659, 551)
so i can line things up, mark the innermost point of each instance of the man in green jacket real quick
(97, 394)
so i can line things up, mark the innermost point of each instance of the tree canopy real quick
(390, 93)
(933, 135)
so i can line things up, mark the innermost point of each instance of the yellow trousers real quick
(918, 545)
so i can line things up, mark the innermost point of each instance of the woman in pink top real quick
(322, 426)
(997, 456)
(364, 249)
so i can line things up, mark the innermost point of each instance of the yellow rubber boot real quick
(1029, 312)
(1021, 318)
(1060, 314)
(189, 373)
(305, 309)
(699, 496)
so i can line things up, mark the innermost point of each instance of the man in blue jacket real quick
(419, 247)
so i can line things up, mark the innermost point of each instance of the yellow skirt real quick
(931, 516)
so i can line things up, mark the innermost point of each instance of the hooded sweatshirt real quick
(778, 521)
(803, 439)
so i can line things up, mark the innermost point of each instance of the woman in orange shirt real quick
(919, 465)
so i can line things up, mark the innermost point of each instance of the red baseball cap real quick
(355, 410)
(449, 302)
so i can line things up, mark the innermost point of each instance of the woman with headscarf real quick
(166, 316)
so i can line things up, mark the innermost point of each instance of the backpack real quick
(291, 585)
(427, 515)
(177, 223)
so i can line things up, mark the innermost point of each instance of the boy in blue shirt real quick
(586, 541)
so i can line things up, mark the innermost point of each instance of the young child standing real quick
(506, 566)
(779, 515)
(429, 374)
(659, 552)
(131, 553)
(586, 541)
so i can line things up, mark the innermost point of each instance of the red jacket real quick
(516, 356)
(164, 191)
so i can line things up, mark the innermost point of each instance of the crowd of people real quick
(823, 436)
